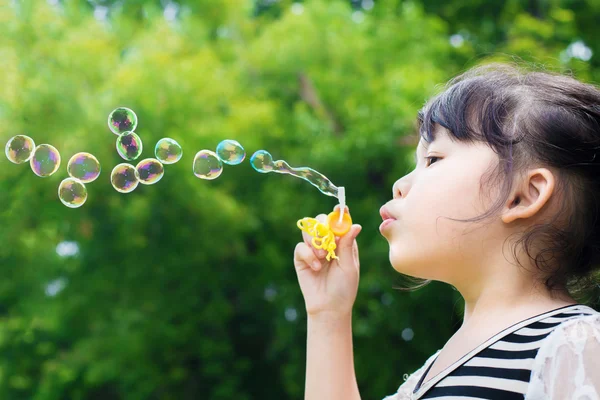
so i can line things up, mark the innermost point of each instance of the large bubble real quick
(19, 149)
(231, 152)
(150, 171)
(72, 192)
(122, 120)
(207, 165)
(84, 166)
(45, 160)
(168, 151)
(129, 146)
(124, 178)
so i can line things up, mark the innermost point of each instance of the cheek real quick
(424, 243)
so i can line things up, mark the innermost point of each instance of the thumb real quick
(346, 242)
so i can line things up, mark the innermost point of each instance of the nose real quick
(400, 188)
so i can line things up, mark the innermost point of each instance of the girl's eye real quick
(431, 160)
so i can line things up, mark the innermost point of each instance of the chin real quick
(411, 264)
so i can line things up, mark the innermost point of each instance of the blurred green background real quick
(186, 289)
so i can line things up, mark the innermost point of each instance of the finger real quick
(319, 253)
(322, 218)
(304, 256)
(347, 252)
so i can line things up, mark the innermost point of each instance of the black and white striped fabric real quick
(500, 368)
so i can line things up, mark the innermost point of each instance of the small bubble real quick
(262, 161)
(231, 152)
(122, 120)
(168, 151)
(19, 149)
(408, 334)
(129, 146)
(84, 166)
(72, 193)
(124, 178)
(150, 171)
(45, 160)
(207, 165)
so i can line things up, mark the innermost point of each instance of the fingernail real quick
(316, 265)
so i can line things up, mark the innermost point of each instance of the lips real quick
(385, 214)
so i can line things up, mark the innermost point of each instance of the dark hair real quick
(535, 118)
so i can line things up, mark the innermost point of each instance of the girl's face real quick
(422, 242)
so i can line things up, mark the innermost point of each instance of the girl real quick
(504, 205)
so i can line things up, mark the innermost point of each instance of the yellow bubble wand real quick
(338, 223)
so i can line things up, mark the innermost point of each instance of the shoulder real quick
(574, 331)
(566, 361)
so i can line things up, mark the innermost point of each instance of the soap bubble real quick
(45, 160)
(262, 161)
(231, 152)
(207, 165)
(19, 149)
(129, 146)
(124, 178)
(84, 166)
(122, 120)
(150, 171)
(72, 192)
(168, 151)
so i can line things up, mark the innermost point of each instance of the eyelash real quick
(429, 158)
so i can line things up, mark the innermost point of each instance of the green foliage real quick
(181, 290)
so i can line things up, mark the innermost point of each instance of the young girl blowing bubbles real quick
(504, 205)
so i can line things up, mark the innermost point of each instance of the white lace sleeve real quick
(567, 365)
(405, 390)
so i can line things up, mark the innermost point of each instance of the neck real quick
(512, 295)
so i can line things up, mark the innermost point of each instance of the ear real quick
(530, 196)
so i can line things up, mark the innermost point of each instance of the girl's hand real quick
(329, 287)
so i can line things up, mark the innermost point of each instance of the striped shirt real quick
(499, 368)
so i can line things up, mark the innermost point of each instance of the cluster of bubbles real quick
(45, 161)
(126, 177)
(209, 164)
(84, 168)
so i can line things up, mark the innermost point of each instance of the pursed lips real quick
(385, 214)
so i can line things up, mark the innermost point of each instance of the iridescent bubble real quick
(207, 165)
(45, 160)
(150, 171)
(124, 178)
(231, 152)
(129, 146)
(168, 151)
(262, 161)
(122, 120)
(84, 167)
(19, 149)
(72, 192)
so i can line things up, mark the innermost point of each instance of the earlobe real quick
(530, 196)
